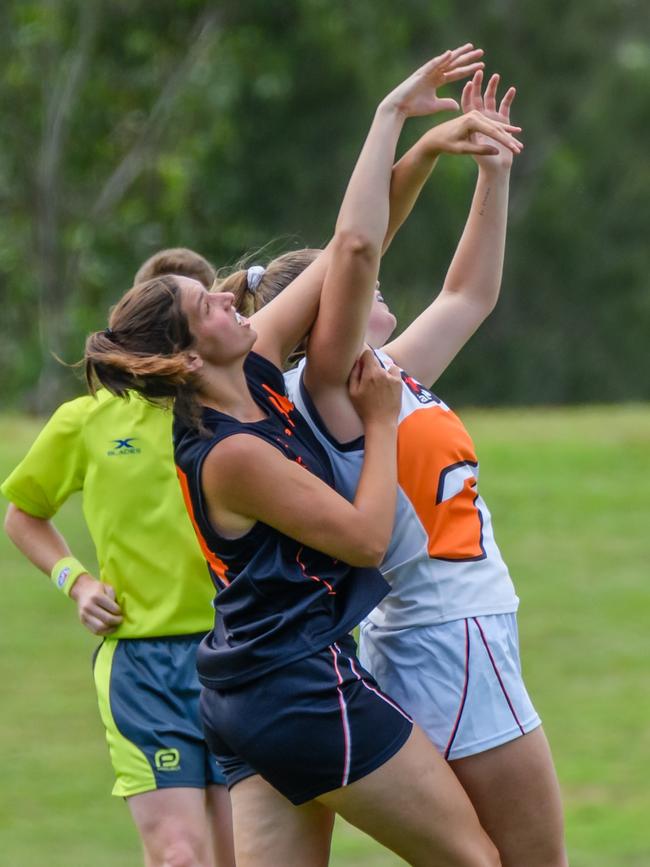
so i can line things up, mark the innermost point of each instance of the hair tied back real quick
(254, 277)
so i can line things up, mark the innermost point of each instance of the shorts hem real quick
(376, 762)
(498, 740)
(129, 791)
(442, 619)
(241, 776)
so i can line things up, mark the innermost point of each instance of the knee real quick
(180, 850)
(490, 856)
(485, 855)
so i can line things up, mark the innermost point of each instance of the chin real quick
(379, 332)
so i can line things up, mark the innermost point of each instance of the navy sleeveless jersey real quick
(278, 600)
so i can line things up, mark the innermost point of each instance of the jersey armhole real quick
(355, 445)
(202, 507)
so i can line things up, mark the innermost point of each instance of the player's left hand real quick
(474, 100)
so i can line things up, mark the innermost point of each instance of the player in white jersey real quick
(444, 641)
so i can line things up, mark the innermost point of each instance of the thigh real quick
(220, 822)
(515, 792)
(148, 695)
(269, 830)
(173, 826)
(414, 805)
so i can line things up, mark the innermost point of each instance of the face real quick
(220, 334)
(381, 323)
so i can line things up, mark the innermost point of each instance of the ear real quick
(193, 361)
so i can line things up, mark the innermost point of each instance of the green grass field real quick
(570, 494)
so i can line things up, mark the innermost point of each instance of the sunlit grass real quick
(570, 495)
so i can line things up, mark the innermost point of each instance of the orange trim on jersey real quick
(437, 472)
(330, 590)
(281, 402)
(218, 566)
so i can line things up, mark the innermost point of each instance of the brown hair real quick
(143, 348)
(278, 273)
(177, 260)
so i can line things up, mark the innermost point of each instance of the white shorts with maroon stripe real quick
(460, 681)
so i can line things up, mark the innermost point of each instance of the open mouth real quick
(241, 320)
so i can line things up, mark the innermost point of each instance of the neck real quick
(224, 388)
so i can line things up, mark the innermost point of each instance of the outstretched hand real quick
(475, 133)
(417, 95)
(474, 101)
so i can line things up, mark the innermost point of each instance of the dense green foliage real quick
(569, 493)
(130, 125)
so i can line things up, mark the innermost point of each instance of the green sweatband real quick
(65, 573)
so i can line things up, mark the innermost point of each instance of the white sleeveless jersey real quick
(443, 562)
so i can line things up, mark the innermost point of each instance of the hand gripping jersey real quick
(443, 562)
(278, 600)
(119, 454)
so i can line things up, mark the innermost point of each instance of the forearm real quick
(477, 267)
(283, 322)
(339, 330)
(408, 177)
(36, 538)
(365, 207)
(376, 493)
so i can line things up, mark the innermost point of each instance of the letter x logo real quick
(124, 444)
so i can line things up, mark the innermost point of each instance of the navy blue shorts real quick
(148, 693)
(308, 728)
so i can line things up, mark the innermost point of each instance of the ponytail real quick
(144, 349)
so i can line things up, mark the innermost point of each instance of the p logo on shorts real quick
(167, 760)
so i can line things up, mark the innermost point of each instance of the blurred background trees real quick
(128, 126)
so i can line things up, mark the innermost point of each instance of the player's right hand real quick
(417, 96)
(376, 393)
(96, 605)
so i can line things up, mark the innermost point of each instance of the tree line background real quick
(130, 125)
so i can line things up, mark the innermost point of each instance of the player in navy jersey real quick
(301, 729)
(444, 641)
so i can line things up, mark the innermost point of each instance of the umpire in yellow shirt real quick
(152, 602)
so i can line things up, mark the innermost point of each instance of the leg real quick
(515, 792)
(414, 805)
(173, 826)
(270, 831)
(220, 821)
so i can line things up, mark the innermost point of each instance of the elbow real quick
(372, 560)
(368, 553)
(355, 244)
(489, 304)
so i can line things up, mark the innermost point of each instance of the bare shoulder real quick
(233, 458)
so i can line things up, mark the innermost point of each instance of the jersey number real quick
(459, 531)
(443, 494)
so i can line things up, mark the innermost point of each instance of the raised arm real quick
(339, 330)
(42, 544)
(471, 287)
(284, 322)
